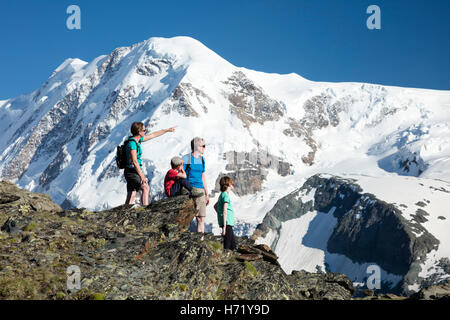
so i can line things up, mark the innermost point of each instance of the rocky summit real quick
(137, 253)
(143, 253)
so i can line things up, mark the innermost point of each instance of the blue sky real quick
(321, 40)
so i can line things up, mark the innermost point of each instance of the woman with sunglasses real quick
(136, 180)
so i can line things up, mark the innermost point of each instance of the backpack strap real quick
(188, 163)
(138, 145)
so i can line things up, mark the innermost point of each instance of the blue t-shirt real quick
(132, 145)
(194, 175)
(224, 197)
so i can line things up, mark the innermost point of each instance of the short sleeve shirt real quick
(224, 197)
(169, 180)
(132, 145)
(194, 175)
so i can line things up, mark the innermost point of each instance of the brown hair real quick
(225, 182)
(136, 127)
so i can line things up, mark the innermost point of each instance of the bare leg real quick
(130, 197)
(201, 226)
(145, 190)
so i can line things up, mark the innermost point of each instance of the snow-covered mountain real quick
(269, 131)
(350, 224)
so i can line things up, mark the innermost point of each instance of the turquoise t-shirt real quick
(132, 145)
(197, 167)
(224, 197)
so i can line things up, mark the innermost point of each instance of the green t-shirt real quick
(132, 145)
(224, 197)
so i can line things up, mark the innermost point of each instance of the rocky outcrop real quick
(55, 124)
(435, 292)
(249, 170)
(17, 201)
(249, 101)
(137, 253)
(404, 162)
(367, 229)
(183, 98)
(320, 111)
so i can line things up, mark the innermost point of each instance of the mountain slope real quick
(348, 224)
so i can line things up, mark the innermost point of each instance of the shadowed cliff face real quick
(143, 253)
(367, 229)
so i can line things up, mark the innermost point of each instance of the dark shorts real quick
(133, 180)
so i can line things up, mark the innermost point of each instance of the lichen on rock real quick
(151, 256)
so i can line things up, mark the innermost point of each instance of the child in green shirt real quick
(225, 213)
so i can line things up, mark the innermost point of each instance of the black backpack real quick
(121, 154)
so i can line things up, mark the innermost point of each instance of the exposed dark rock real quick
(328, 286)
(180, 103)
(10, 226)
(435, 292)
(24, 201)
(319, 113)
(420, 215)
(440, 189)
(182, 98)
(444, 263)
(7, 198)
(404, 162)
(286, 208)
(138, 253)
(421, 204)
(152, 66)
(250, 169)
(368, 293)
(54, 169)
(368, 229)
(50, 133)
(250, 103)
(261, 250)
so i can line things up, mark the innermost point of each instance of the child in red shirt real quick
(175, 179)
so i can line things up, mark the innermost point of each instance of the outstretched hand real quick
(172, 129)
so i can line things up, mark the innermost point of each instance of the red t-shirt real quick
(169, 180)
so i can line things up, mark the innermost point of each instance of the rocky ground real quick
(141, 253)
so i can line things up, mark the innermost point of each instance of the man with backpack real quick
(136, 180)
(194, 166)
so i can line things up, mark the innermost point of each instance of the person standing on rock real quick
(225, 213)
(136, 180)
(194, 166)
